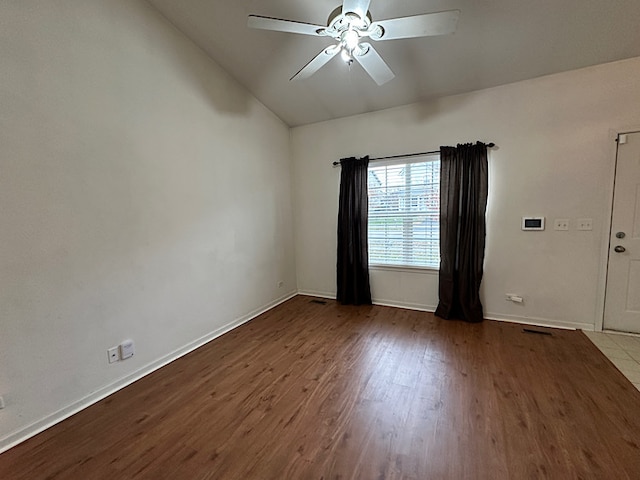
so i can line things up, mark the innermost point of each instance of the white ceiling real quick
(497, 42)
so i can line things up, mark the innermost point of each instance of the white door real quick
(622, 303)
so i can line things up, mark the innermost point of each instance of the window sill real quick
(406, 269)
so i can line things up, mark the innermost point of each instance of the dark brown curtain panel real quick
(353, 253)
(463, 204)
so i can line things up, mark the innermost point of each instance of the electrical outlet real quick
(1, 402)
(585, 224)
(561, 224)
(512, 297)
(112, 354)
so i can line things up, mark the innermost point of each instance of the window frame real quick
(400, 267)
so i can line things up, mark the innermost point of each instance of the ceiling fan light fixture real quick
(376, 32)
(361, 50)
(346, 57)
(349, 42)
(350, 39)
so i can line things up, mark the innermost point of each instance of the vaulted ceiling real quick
(496, 42)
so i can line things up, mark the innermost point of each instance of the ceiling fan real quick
(349, 24)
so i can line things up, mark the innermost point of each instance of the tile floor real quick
(622, 350)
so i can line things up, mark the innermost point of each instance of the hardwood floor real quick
(323, 391)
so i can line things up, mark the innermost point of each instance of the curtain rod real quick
(407, 155)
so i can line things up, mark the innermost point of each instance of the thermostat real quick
(532, 223)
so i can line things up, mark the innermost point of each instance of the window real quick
(404, 212)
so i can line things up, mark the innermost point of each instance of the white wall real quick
(555, 157)
(143, 195)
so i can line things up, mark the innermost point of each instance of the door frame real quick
(606, 227)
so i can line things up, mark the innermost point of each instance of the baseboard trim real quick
(50, 420)
(623, 334)
(534, 321)
(409, 306)
(539, 322)
(381, 302)
(315, 293)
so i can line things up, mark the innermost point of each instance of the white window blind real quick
(404, 212)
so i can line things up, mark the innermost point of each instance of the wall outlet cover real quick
(112, 354)
(127, 349)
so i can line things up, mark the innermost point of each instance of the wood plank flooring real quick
(324, 391)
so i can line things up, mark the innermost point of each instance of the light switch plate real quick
(561, 224)
(585, 224)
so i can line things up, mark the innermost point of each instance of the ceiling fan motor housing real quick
(341, 23)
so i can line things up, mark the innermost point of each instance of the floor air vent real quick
(321, 302)
(538, 332)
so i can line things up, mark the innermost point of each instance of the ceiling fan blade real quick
(361, 7)
(425, 25)
(279, 25)
(374, 65)
(316, 63)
